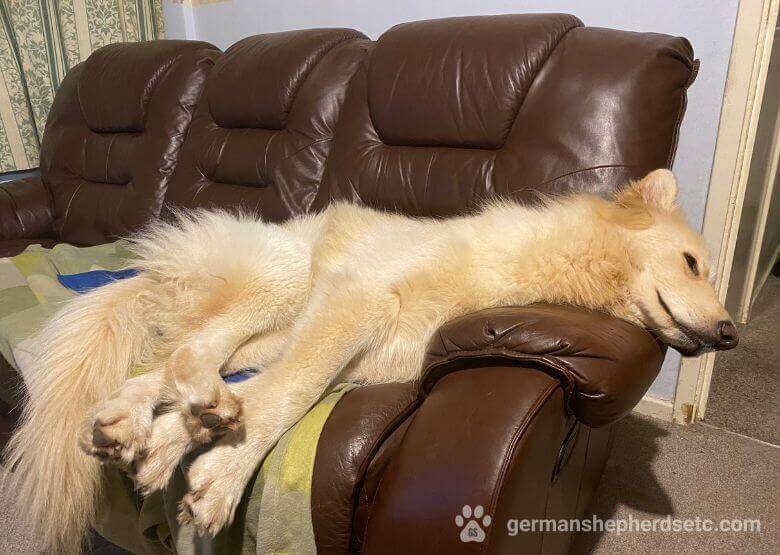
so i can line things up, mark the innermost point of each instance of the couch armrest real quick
(25, 209)
(604, 364)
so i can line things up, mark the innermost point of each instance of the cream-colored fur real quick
(348, 294)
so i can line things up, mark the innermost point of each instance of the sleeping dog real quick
(350, 293)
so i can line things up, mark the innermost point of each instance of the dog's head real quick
(670, 288)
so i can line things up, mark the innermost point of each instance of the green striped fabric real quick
(40, 40)
(30, 292)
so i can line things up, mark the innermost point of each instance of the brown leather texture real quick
(114, 132)
(484, 436)
(356, 428)
(12, 247)
(25, 209)
(604, 364)
(445, 113)
(263, 130)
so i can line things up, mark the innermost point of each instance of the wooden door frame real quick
(745, 82)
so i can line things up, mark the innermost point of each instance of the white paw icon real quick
(473, 524)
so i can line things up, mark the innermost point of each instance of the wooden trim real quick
(765, 275)
(748, 65)
(751, 289)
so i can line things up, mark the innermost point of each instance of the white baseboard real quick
(655, 408)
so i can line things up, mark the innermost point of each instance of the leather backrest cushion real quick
(113, 135)
(262, 132)
(255, 83)
(444, 113)
(459, 84)
(117, 82)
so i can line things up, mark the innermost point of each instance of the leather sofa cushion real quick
(25, 209)
(260, 136)
(118, 81)
(359, 424)
(459, 84)
(113, 135)
(605, 365)
(505, 105)
(258, 78)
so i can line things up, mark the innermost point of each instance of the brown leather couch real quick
(515, 405)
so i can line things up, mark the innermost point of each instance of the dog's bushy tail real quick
(84, 354)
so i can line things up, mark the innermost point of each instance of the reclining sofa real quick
(515, 405)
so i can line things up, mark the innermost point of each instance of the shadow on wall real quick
(628, 480)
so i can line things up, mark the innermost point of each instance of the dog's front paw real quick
(207, 421)
(213, 496)
(118, 432)
(217, 479)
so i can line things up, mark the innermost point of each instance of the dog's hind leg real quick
(264, 305)
(170, 437)
(209, 407)
(230, 277)
(119, 428)
(335, 328)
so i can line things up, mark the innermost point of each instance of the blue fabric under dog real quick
(87, 281)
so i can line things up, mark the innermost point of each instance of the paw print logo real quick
(472, 523)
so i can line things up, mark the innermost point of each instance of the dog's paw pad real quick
(114, 438)
(207, 423)
(472, 523)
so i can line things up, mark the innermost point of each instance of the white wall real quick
(708, 25)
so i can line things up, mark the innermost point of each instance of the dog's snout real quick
(727, 336)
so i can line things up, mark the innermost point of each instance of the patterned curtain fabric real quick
(40, 40)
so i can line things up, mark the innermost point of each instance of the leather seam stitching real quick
(519, 432)
(67, 209)
(681, 113)
(583, 170)
(391, 427)
(553, 362)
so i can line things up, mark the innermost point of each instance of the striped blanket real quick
(33, 286)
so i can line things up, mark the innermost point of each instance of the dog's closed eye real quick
(693, 264)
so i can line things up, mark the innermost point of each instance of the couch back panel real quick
(113, 135)
(444, 113)
(262, 131)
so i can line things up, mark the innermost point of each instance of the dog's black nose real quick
(727, 335)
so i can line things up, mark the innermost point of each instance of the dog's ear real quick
(658, 189)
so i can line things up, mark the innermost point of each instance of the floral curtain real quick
(40, 40)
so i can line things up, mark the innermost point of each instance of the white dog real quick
(347, 294)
